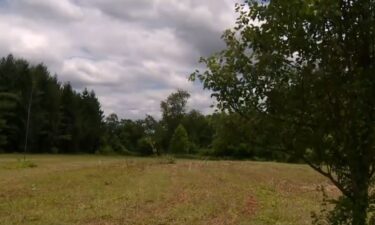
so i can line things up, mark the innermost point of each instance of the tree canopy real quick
(303, 73)
(59, 118)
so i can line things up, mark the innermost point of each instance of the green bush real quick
(180, 141)
(144, 147)
(105, 150)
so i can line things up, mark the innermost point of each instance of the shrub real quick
(180, 141)
(144, 147)
(105, 150)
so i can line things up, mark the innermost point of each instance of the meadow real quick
(99, 190)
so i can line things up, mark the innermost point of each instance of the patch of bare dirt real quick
(251, 206)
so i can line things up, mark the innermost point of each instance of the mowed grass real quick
(94, 190)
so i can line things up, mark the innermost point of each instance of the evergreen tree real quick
(7, 101)
(58, 118)
(91, 122)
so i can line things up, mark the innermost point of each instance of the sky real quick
(132, 53)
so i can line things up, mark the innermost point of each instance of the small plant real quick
(24, 163)
(167, 159)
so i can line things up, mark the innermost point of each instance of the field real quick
(97, 190)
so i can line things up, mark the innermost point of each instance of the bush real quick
(144, 147)
(105, 150)
(193, 148)
(180, 141)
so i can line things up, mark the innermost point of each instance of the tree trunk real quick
(360, 204)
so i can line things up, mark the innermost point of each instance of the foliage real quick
(105, 150)
(145, 146)
(302, 73)
(60, 118)
(199, 129)
(173, 110)
(63, 120)
(7, 102)
(180, 141)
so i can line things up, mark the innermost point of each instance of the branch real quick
(329, 176)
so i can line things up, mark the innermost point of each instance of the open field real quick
(94, 190)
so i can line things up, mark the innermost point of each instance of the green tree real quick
(111, 134)
(173, 110)
(7, 102)
(57, 117)
(15, 77)
(199, 130)
(232, 137)
(153, 134)
(130, 134)
(91, 121)
(69, 128)
(180, 141)
(306, 69)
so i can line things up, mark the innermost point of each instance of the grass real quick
(97, 190)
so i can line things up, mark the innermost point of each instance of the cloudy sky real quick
(133, 53)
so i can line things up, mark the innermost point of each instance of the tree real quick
(15, 77)
(306, 70)
(7, 102)
(173, 110)
(69, 128)
(153, 134)
(112, 133)
(91, 121)
(199, 129)
(130, 134)
(180, 141)
(57, 118)
(233, 136)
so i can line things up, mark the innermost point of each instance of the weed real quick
(167, 159)
(24, 163)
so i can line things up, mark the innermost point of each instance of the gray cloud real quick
(133, 53)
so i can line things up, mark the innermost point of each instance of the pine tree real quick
(6, 105)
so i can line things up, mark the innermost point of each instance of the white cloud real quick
(133, 53)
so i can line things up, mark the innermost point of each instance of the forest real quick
(62, 120)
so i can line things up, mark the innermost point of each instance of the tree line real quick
(183, 132)
(41, 115)
(46, 116)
